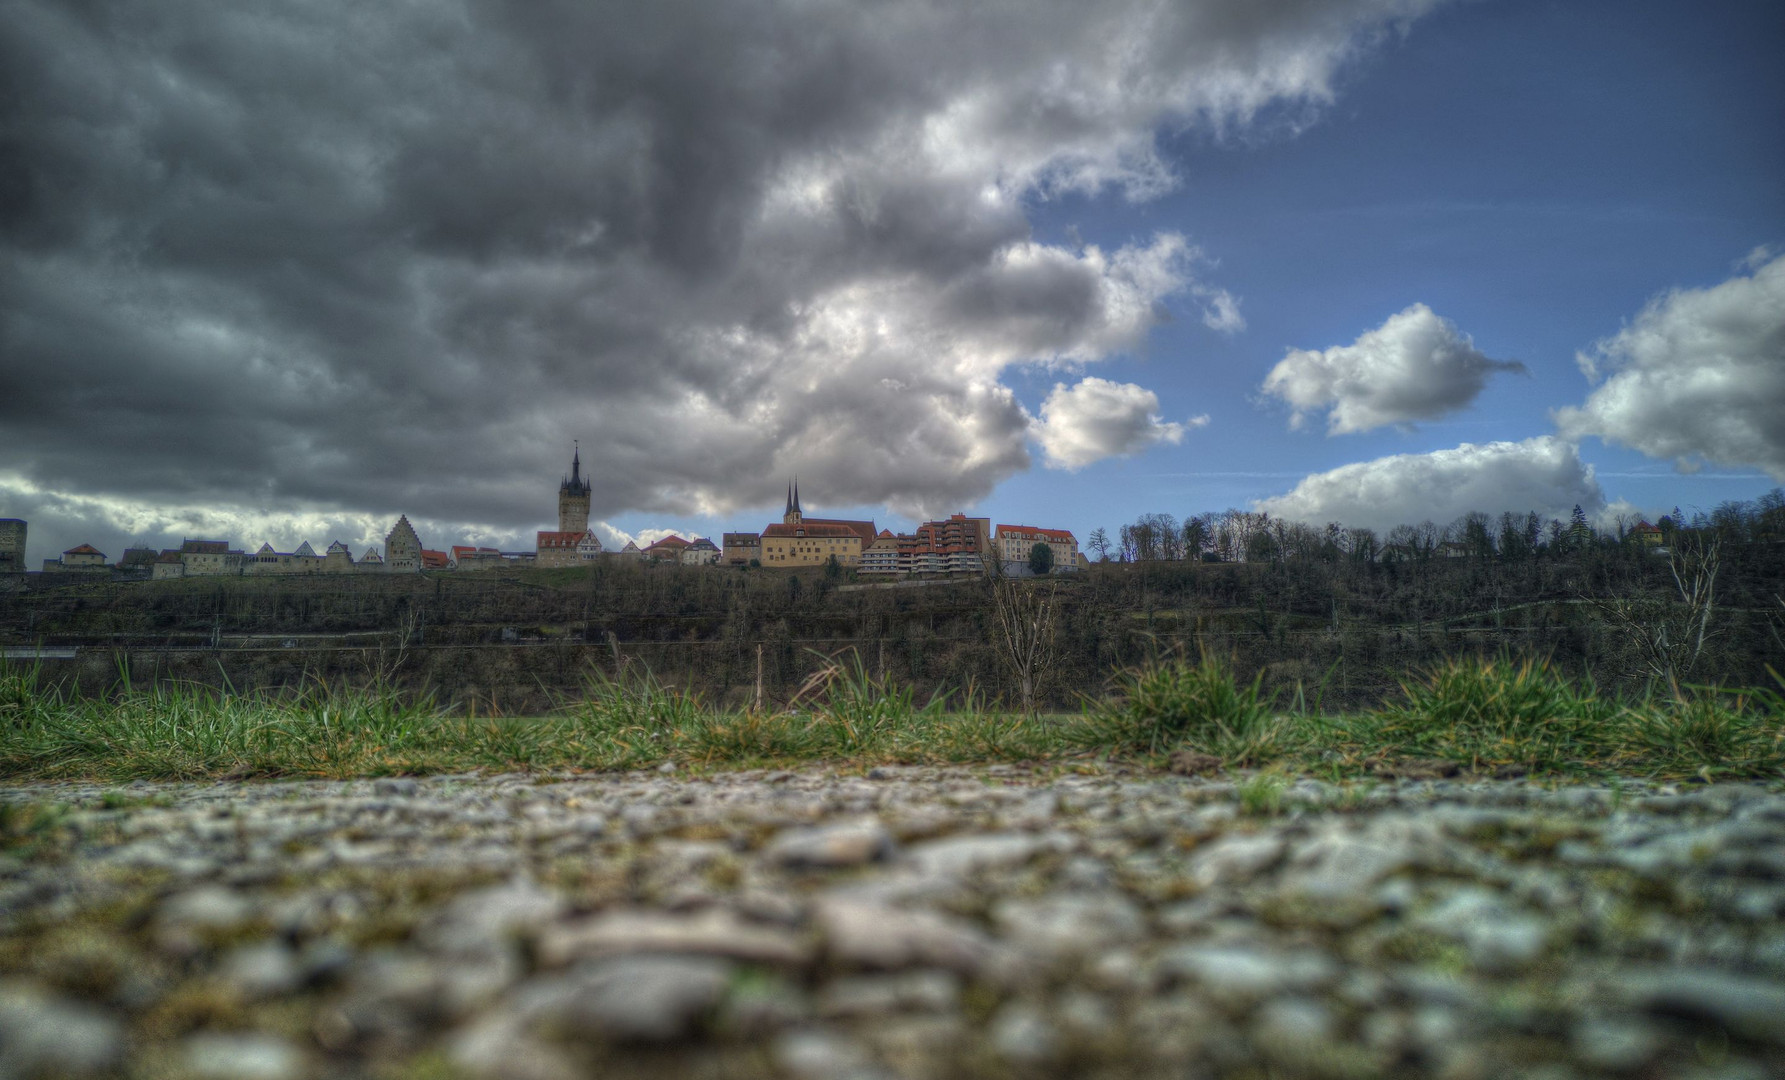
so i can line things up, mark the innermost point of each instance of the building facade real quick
(668, 549)
(12, 545)
(801, 541)
(702, 552)
(573, 497)
(267, 561)
(1014, 542)
(402, 548)
(137, 559)
(85, 559)
(338, 559)
(957, 544)
(206, 558)
(741, 548)
(566, 548)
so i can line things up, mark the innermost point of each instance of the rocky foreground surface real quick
(922, 922)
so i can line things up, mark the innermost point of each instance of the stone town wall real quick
(12, 546)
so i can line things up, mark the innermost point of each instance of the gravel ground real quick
(922, 922)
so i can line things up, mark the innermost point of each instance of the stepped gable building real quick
(803, 541)
(402, 548)
(12, 545)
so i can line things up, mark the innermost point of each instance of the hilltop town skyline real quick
(285, 275)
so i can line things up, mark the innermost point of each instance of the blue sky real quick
(1535, 172)
(314, 276)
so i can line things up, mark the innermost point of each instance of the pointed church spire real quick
(789, 509)
(796, 496)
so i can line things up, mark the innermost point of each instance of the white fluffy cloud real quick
(1698, 376)
(1415, 366)
(1544, 474)
(1099, 419)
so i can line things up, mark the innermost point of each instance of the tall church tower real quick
(793, 516)
(573, 498)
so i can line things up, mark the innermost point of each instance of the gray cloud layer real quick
(357, 259)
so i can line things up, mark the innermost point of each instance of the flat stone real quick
(1339, 863)
(1615, 1044)
(880, 995)
(712, 932)
(866, 935)
(499, 1047)
(1235, 859)
(823, 1055)
(1497, 937)
(1749, 1007)
(263, 970)
(480, 918)
(644, 998)
(958, 856)
(1069, 925)
(1022, 1035)
(216, 1056)
(832, 846)
(208, 907)
(46, 1035)
(1239, 974)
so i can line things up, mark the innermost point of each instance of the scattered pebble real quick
(913, 922)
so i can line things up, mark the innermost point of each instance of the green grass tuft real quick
(1164, 706)
(1486, 715)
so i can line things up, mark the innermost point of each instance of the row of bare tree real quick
(1254, 536)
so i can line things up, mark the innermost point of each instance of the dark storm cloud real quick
(361, 258)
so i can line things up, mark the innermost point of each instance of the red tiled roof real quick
(1031, 530)
(434, 560)
(84, 549)
(557, 539)
(829, 530)
(863, 529)
(671, 541)
(741, 539)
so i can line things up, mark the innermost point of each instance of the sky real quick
(278, 272)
